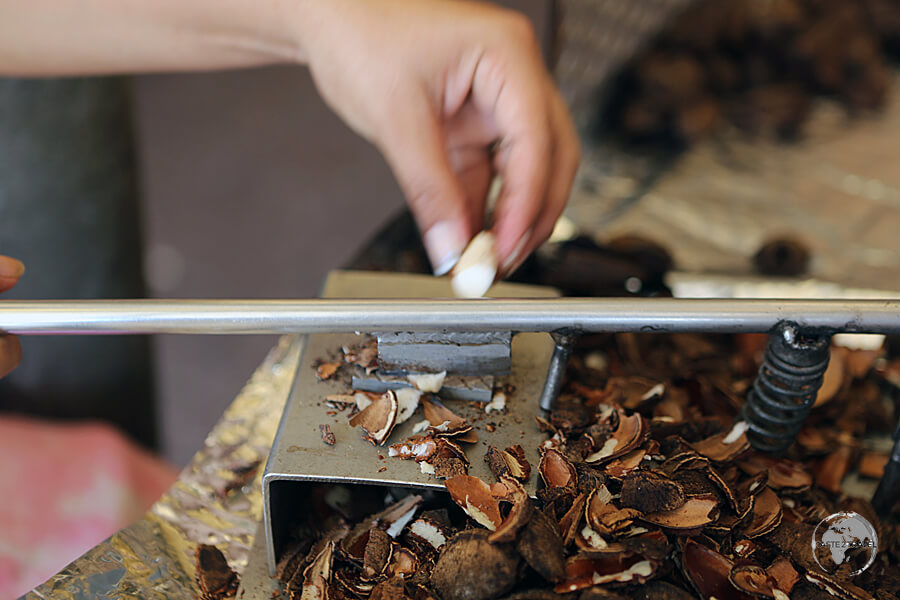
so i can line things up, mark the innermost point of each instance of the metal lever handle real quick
(576, 315)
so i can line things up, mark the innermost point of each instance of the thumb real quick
(415, 148)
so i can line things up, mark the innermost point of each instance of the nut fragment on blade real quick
(476, 270)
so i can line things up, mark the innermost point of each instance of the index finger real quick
(519, 106)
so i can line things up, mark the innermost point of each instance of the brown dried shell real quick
(403, 562)
(379, 549)
(755, 581)
(832, 469)
(784, 474)
(504, 462)
(624, 465)
(390, 589)
(844, 590)
(626, 437)
(518, 515)
(570, 522)
(364, 355)
(767, 514)
(556, 470)
(429, 534)
(215, 578)
(445, 422)
(603, 516)
(418, 448)
(611, 569)
(460, 571)
(541, 545)
(650, 492)
(378, 419)
(695, 513)
(708, 571)
(784, 573)
(721, 448)
(327, 370)
(474, 497)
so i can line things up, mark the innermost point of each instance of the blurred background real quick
(731, 148)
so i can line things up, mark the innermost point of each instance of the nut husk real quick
(472, 568)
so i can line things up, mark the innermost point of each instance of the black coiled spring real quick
(785, 388)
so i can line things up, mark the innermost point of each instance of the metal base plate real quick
(299, 455)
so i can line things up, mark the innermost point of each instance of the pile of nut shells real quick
(757, 65)
(649, 490)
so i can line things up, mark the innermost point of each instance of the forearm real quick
(80, 37)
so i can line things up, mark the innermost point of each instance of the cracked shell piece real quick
(474, 497)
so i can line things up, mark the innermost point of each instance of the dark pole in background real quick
(69, 211)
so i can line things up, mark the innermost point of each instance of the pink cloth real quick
(64, 488)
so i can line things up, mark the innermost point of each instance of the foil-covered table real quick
(211, 502)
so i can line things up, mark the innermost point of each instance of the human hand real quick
(452, 93)
(10, 350)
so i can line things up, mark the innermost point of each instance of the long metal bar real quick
(575, 315)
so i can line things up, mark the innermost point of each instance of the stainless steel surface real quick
(299, 456)
(488, 314)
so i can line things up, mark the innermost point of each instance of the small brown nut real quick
(472, 568)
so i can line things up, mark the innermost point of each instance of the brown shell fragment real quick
(767, 514)
(695, 513)
(378, 553)
(755, 581)
(390, 589)
(377, 420)
(604, 517)
(871, 464)
(504, 462)
(364, 355)
(627, 463)
(614, 568)
(327, 435)
(444, 422)
(327, 370)
(569, 523)
(843, 590)
(403, 562)
(216, 579)
(650, 492)
(721, 448)
(449, 460)
(474, 497)
(318, 574)
(709, 572)
(417, 448)
(518, 515)
(659, 590)
(626, 437)
(541, 545)
(461, 569)
(784, 474)
(831, 471)
(784, 573)
(429, 534)
(556, 470)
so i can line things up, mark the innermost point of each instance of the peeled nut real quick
(476, 270)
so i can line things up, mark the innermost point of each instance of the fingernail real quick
(513, 258)
(10, 267)
(444, 243)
